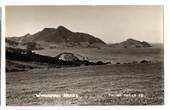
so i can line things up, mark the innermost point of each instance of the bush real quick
(144, 61)
(100, 63)
(118, 63)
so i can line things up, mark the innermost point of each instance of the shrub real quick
(118, 63)
(144, 61)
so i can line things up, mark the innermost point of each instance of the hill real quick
(58, 36)
(131, 43)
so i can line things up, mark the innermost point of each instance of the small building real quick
(65, 56)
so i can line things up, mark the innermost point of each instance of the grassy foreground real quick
(94, 85)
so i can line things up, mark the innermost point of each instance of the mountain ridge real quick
(63, 37)
(59, 35)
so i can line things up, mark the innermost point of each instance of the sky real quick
(110, 23)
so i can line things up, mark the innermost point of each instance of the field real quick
(114, 84)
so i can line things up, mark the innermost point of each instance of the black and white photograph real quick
(84, 55)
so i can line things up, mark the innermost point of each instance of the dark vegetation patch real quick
(24, 55)
(135, 62)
